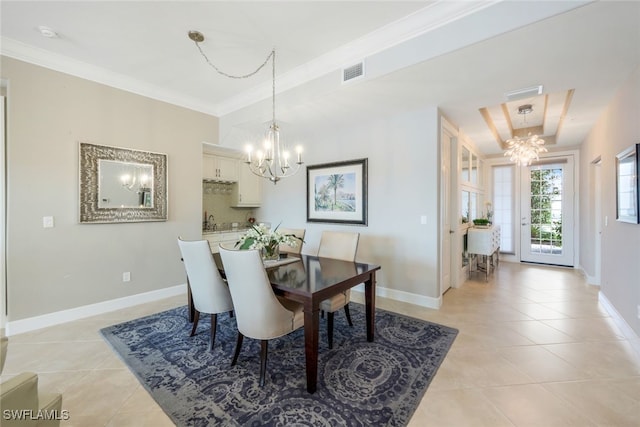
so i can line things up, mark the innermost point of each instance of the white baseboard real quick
(415, 299)
(626, 330)
(591, 280)
(51, 319)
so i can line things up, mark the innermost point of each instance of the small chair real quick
(209, 291)
(299, 233)
(343, 246)
(20, 393)
(260, 314)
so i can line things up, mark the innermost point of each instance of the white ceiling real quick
(460, 56)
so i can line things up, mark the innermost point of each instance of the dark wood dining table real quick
(311, 280)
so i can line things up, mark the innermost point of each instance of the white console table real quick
(486, 243)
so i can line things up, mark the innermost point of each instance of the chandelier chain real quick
(273, 84)
(231, 76)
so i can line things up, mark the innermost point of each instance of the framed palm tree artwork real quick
(337, 192)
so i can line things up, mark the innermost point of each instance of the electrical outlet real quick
(126, 276)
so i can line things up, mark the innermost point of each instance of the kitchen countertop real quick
(225, 230)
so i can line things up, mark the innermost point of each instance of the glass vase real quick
(271, 253)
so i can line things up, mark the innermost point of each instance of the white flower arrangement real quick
(261, 237)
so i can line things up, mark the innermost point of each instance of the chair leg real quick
(348, 314)
(263, 360)
(196, 317)
(214, 326)
(330, 328)
(238, 346)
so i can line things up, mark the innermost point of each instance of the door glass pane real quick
(464, 207)
(473, 164)
(473, 206)
(546, 210)
(464, 163)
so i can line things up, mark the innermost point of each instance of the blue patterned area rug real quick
(359, 383)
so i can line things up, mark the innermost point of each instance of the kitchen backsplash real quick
(216, 201)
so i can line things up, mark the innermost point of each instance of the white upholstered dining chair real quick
(209, 291)
(260, 314)
(299, 233)
(338, 245)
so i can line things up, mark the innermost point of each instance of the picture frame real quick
(627, 184)
(337, 192)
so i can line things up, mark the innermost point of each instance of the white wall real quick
(403, 185)
(617, 129)
(73, 265)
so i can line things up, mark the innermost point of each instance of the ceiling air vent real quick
(526, 92)
(353, 72)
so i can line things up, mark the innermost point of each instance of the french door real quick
(547, 212)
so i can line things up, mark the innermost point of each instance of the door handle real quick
(525, 223)
(451, 231)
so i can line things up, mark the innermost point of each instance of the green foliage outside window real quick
(545, 189)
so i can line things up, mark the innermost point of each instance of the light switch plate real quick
(47, 222)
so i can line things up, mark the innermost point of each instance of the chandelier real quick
(524, 150)
(136, 181)
(273, 161)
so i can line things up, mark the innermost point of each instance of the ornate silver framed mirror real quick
(121, 185)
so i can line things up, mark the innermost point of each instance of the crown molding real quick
(437, 14)
(33, 55)
(433, 16)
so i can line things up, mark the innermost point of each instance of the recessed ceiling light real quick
(47, 32)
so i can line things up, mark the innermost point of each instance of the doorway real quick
(547, 212)
(447, 138)
(597, 217)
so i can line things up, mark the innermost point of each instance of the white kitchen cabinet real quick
(218, 168)
(248, 191)
(222, 237)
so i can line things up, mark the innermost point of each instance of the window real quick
(503, 205)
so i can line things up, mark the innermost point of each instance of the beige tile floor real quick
(535, 348)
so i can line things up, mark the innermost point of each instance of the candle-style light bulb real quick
(299, 151)
(267, 148)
